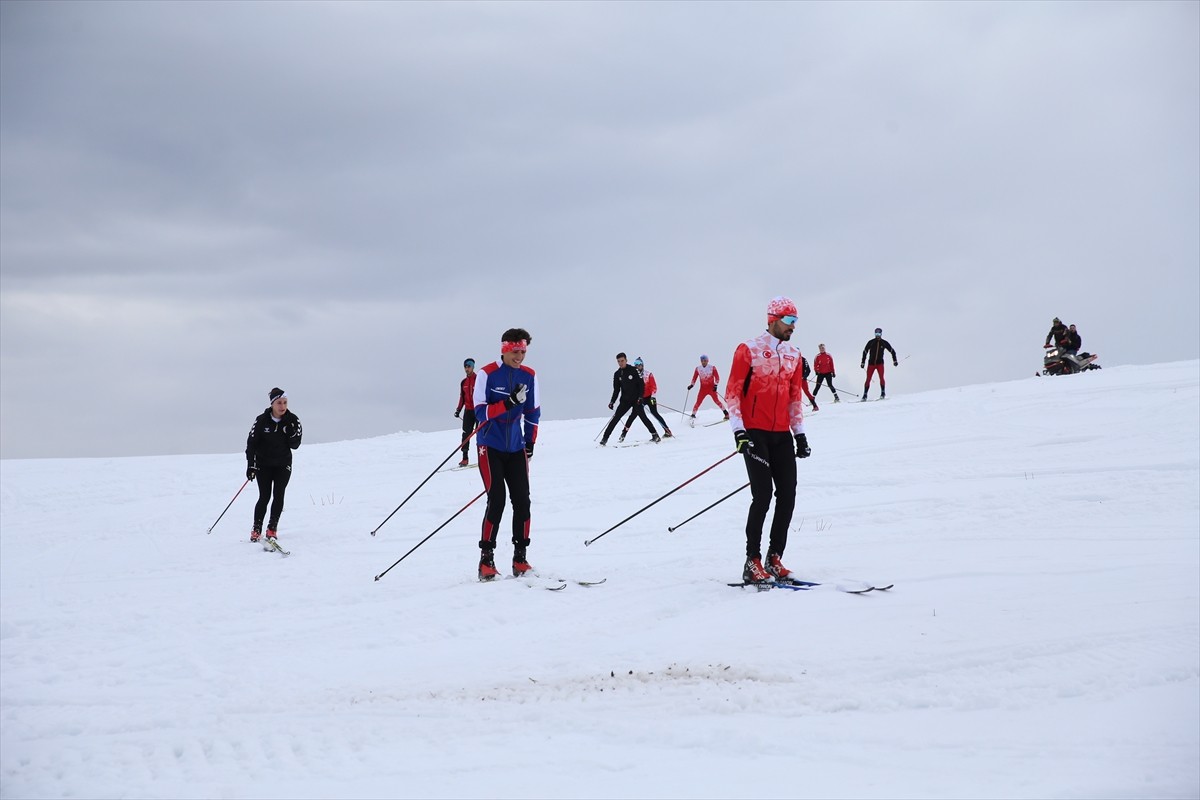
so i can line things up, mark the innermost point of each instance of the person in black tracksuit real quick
(274, 435)
(628, 384)
(873, 352)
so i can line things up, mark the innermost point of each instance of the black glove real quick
(610, 406)
(457, 412)
(250, 472)
(716, 389)
(690, 385)
(516, 398)
(802, 448)
(815, 406)
(895, 363)
(862, 366)
(529, 450)
(832, 375)
(741, 441)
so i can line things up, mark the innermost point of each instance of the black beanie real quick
(275, 394)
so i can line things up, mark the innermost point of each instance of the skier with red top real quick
(708, 377)
(767, 416)
(649, 401)
(466, 391)
(507, 403)
(823, 366)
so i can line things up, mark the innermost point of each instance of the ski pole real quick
(701, 511)
(587, 542)
(235, 497)
(685, 399)
(668, 408)
(430, 536)
(430, 475)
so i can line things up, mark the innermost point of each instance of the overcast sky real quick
(200, 201)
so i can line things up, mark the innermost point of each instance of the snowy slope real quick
(1043, 638)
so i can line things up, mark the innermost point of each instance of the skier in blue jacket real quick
(507, 408)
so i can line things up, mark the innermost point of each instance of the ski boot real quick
(520, 562)
(754, 572)
(624, 431)
(667, 434)
(655, 438)
(693, 421)
(463, 463)
(776, 567)
(487, 566)
(255, 534)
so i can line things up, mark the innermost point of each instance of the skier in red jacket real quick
(766, 413)
(466, 390)
(708, 378)
(649, 401)
(823, 366)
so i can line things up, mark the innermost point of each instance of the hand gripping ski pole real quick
(427, 477)
(430, 536)
(588, 542)
(235, 497)
(701, 511)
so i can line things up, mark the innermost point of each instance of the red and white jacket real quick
(707, 376)
(823, 364)
(651, 386)
(764, 387)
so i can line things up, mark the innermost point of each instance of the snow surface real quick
(1042, 640)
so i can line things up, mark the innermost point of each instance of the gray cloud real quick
(201, 201)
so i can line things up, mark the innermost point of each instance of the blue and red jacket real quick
(506, 429)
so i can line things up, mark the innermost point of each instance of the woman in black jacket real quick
(273, 436)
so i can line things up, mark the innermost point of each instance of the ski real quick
(272, 545)
(848, 587)
(718, 422)
(533, 582)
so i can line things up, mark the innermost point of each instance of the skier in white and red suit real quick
(708, 378)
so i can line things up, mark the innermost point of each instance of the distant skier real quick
(806, 371)
(629, 386)
(649, 402)
(274, 435)
(466, 391)
(507, 401)
(708, 378)
(766, 414)
(874, 353)
(823, 366)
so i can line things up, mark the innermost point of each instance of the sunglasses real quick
(790, 319)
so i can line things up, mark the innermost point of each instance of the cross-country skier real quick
(628, 385)
(466, 393)
(823, 366)
(766, 414)
(708, 378)
(874, 353)
(274, 435)
(506, 400)
(649, 401)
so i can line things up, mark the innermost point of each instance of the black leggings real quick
(468, 419)
(624, 406)
(650, 404)
(498, 468)
(271, 480)
(828, 379)
(770, 462)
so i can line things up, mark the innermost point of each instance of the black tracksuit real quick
(269, 453)
(628, 384)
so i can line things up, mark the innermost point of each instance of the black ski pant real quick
(499, 470)
(468, 419)
(271, 481)
(829, 380)
(648, 404)
(626, 405)
(770, 462)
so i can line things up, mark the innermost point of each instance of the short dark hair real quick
(622, 355)
(516, 335)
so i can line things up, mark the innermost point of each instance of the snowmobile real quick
(1058, 361)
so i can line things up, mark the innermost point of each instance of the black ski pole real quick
(427, 477)
(668, 408)
(430, 536)
(587, 542)
(701, 511)
(235, 497)
(685, 397)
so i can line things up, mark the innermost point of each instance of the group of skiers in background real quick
(500, 407)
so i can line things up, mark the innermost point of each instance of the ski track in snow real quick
(1042, 640)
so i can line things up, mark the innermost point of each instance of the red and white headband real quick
(508, 347)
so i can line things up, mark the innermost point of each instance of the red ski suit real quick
(708, 377)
